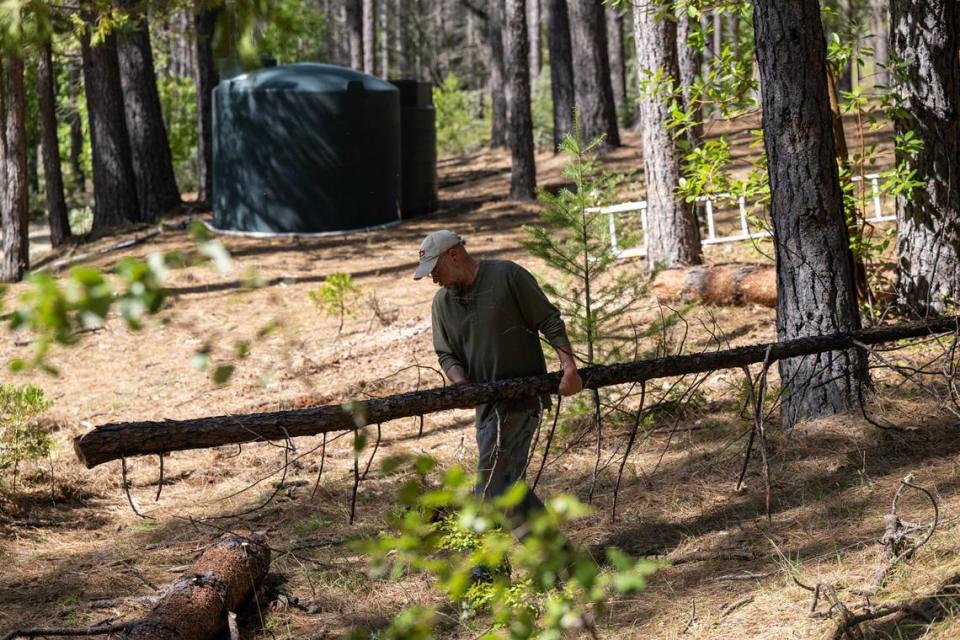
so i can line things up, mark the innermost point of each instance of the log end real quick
(81, 454)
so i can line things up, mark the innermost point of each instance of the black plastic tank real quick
(305, 148)
(418, 147)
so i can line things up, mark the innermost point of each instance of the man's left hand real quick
(570, 383)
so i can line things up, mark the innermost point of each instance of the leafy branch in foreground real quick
(57, 311)
(448, 531)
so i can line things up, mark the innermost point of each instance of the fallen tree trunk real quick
(114, 441)
(719, 285)
(196, 604)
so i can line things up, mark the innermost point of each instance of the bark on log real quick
(196, 604)
(113, 441)
(720, 285)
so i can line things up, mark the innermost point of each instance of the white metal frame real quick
(712, 238)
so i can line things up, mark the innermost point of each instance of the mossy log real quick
(114, 441)
(196, 604)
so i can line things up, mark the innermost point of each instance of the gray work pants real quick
(503, 438)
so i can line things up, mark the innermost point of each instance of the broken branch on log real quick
(114, 441)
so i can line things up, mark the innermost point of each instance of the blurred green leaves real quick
(542, 586)
(58, 310)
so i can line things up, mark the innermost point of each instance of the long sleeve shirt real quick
(492, 329)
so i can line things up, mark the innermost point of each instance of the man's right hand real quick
(457, 375)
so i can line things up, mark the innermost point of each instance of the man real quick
(486, 324)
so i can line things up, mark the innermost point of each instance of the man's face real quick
(444, 271)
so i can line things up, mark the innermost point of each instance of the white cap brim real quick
(426, 266)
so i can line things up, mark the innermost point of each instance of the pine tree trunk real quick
(926, 36)
(403, 58)
(108, 442)
(384, 26)
(74, 121)
(14, 216)
(533, 33)
(498, 98)
(207, 79)
(689, 62)
(673, 238)
(523, 174)
(878, 21)
(735, 33)
(717, 27)
(591, 68)
(561, 69)
(369, 36)
(52, 175)
(114, 184)
(815, 287)
(157, 190)
(355, 32)
(618, 70)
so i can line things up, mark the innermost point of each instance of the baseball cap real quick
(432, 247)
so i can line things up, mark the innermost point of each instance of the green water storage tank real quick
(305, 148)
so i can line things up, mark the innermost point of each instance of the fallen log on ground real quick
(199, 603)
(114, 441)
(720, 285)
(196, 605)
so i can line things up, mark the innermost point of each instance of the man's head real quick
(444, 258)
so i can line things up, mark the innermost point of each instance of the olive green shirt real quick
(492, 329)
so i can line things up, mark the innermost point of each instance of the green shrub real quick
(459, 129)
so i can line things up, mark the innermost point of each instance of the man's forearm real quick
(566, 358)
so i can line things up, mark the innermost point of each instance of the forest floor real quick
(68, 536)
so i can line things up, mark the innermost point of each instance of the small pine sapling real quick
(21, 438)
(573, 238)
(334, 296)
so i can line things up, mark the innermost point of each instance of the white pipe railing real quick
(745, 233)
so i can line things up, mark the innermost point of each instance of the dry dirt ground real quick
(68, 536)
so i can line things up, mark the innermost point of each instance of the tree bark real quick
(816, 293)
(718, 285)
(926, 36)
(878, 21)
(561, 69)
(384, 28)
(673, 237)
(498, 98)
(52, 174)
(689, 63)
(523, 171)
(14, 215)
(113, 441)
(355, 32)
(157, 190)
(618, 70)
(591, 67)
(533, 33)
(114, 184)
(369, 36)
(196, 604)
(76, 125)
(207, 78)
